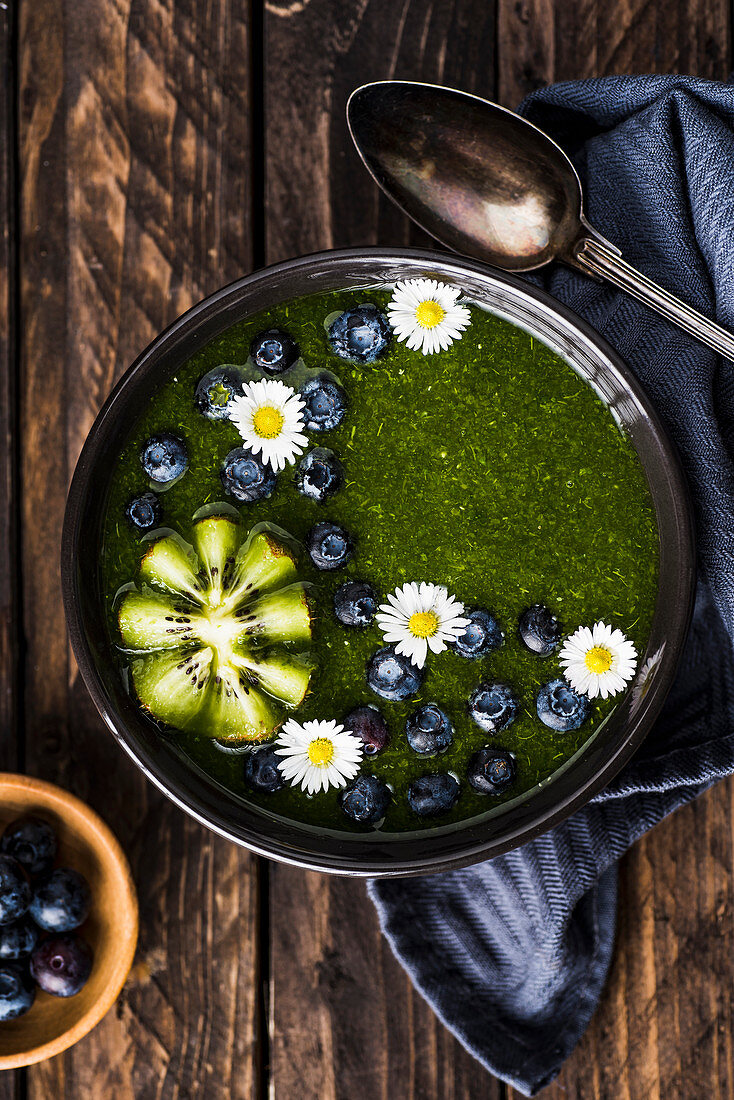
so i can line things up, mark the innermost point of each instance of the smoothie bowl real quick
(378, 563)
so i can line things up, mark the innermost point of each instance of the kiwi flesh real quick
(216, 629)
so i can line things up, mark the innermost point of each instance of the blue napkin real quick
(513, 954)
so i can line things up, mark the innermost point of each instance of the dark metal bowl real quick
(442, 847)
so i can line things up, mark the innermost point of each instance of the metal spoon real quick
(489, 184)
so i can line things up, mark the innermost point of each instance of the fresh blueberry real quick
(392, 676)
(62, 964)
(18, 939)
(493, 707)
(262, 772)
(246, 477)
(164, 458)
(368, 724)
(17, 991)
(329, 545)
(355, 603)
(561, 708)
(319, 475)
(215, 391)
(429, 730)
(481, 635)
(539, 630)
(433, 794)
(274, 351)
(144, 512)
(492, 771)
(366, 799)
(15, 890)
(61, 901)
(361, 333)
(31, 841)
(326, 403)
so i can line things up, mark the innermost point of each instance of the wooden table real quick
(153, 150)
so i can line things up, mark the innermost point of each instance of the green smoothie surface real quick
(491, 468)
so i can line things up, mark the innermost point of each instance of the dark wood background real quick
(151, 151)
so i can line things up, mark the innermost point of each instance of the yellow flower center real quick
(423, 624)
(268, 422)
(429, 314)
(321, 752)
(598, 659)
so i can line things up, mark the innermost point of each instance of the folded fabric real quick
(513, 954)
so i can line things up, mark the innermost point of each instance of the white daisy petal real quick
(425, 314)
(332, 762)
(598, 661)
(419, 617)
(269, 417)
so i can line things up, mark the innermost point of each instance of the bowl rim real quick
(340, 861)
(60, 801)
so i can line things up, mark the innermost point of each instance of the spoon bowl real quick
(489, 184)
(478, 178)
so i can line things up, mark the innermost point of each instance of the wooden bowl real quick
(86, 844)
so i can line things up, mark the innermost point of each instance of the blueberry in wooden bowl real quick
(55, 986)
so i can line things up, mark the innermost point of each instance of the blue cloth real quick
(513, 954)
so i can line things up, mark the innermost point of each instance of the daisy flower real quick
(419, 618)
(317, 755)
(598, 661)
(425, 315)
(269, 417)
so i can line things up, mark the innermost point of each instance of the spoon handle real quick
(601, 259)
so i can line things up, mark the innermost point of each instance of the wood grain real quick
(541, 41)
(10, 624)
(135, 154)
(345, 1020)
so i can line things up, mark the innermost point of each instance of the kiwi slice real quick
(152, 621)
(173, 685)
(170, 563)
(285, 676)
(215, 627)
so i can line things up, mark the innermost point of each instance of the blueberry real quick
(492, 771)
(246, 477)
(560, 707)
(326, 404)
(433, 794)
(18, 939)
(15, 890)
(262, 772)
(62, 964)
(366, 799)
(164, 458)
(355, 603)
(392, 676)
(361, 333)
(539, 630)
(31, 841)
(320, 474)
(17, 991)
(274, 351)
(144, 512)
(368, 724)
(61, 901)
(429, 730)
(329, 545)
(480, 637)
(493, 707)
(215, 391)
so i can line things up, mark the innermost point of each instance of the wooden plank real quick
(345, 1020)
(540, 41)
(10, 624)
(663, 1028)
(135, 153)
